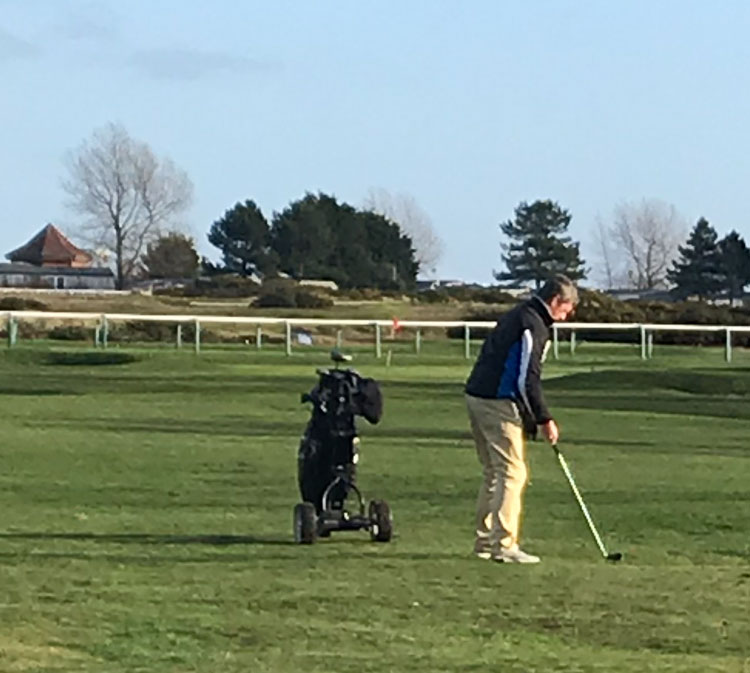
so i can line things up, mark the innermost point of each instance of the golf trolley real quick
(328, 456)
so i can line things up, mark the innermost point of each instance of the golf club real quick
(609, 556)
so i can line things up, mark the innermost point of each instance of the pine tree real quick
(734, 258)
(243, 236)
(697, 271)
(539, 247)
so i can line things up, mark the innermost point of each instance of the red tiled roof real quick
(50, 247)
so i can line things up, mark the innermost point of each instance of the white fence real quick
(100, 323)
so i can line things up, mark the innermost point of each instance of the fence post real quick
(288, 337)
(572, 342)
(555, 342)
(178, 337)
(97, 336)
(105, 331)
(418, 341)
(643, 342)
(378, 347)
(12, 331)
(259, 337)
(197, 337)
(467, 342)
(650, 345)
(728, 349)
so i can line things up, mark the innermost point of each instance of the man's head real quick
(561, 295)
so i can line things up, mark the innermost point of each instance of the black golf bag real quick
(328, 456)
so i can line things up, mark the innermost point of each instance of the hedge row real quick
(600, 307)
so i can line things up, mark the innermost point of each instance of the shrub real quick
(70, 333)
(226, 286)
(491, 295)
(433, 297)
(142, 330)
(22, 304)
(307, 299)
(283, 293)
(277, 293)
(353, 295)
(371, 294)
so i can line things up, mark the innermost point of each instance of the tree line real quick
(703, 267)
(317, 237)
(131, 201)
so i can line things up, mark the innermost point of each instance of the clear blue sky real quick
(470, 107)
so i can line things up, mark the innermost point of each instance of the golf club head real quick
(614, 556)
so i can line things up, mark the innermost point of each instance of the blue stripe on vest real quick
(509, 381)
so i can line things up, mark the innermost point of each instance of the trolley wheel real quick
(381, 521)
(305, 523)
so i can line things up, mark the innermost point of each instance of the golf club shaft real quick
(582, 504)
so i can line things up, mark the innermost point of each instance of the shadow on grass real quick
(89, 358)
(153, 538)
(32, 392)
(245, 426)
(346, 544)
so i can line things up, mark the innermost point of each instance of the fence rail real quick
(102, 321)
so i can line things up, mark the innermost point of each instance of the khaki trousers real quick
(498, 435)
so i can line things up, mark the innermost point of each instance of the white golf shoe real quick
(515, 555)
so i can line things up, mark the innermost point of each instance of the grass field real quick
(147, 504)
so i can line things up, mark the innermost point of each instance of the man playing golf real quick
(506, 404)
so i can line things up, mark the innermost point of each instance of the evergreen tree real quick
(171, 256)
(734, 261)
(539, 247)
(243, 236)
(697, 271)
(318, 237)
(302, 235)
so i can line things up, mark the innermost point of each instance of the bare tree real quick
(414, 222)
(128, 196)
(607, 267)
(646, 236)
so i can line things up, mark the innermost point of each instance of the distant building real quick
(50, 260)
(423, 285)
(643, 295)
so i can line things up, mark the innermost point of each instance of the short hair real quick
(559, 286)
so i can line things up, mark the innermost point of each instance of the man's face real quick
(560, 309)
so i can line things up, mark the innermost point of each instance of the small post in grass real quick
(467, 342)
(97, 336)
(378, 346)
(178, 336)
(572, 342)
(12, 330)
(650, 345)
(555, 342)
(728, 346)
(643, 343)
(418, 341)
(258, 337)
(197, 336)
(339, 338)
(105, 331)
(288, 337)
